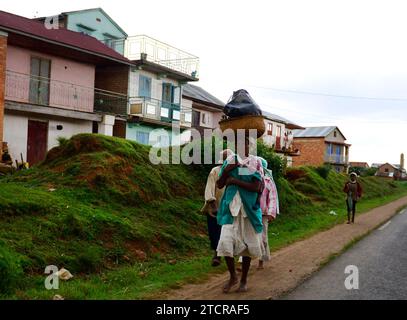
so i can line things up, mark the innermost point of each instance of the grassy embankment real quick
(128, 229)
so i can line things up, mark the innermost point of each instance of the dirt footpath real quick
(293, 264)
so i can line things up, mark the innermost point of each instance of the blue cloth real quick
(249, 199)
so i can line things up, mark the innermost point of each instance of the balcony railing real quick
(53, 93)
(110, 102)
(158, 110)
(336, 159)
(144, 47)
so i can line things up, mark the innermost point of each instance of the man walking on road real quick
(353, 190)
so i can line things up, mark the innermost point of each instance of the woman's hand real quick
(230, 180)
(213, 209)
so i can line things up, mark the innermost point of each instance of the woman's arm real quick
(225, 174)
(254, 186)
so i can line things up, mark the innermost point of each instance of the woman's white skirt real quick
(240, 239)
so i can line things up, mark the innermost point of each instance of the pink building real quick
(47, 85)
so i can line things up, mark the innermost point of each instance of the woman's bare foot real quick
(230, 284)
(242, 287)
(261, 265)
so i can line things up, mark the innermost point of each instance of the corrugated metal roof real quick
(63, 36)
(195, 92)
(277, 118)
(314, 132)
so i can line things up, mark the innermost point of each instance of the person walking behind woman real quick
(240, 214)
(353, 190)
(269, 207)
(212, 198)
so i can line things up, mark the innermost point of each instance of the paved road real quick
(381, 259)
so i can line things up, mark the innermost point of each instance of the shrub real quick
(369, 172)
(11, 271)
(323, 171)
(62, 141)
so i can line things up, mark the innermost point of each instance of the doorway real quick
(37, 141)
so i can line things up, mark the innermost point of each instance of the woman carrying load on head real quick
(239, 213)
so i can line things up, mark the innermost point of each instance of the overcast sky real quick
(337, 48)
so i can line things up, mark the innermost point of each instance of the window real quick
(269, 129)
(335, 134)
(163, 140)
(278, 131)
(142, 137)
(196, 118)
(329, 148)
(39, 81)
(386, 170)
(176, 95)
(167, 93)
(144, 86)
(175, 114)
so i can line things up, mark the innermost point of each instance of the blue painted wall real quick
(97, 24)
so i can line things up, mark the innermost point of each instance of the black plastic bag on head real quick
(241, 104)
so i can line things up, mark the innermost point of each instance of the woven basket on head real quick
(245, 122)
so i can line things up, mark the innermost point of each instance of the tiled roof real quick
(195, 92)
(11, 22)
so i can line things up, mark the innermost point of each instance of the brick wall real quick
(312, 151)
(112, 78)
(115, 79)
(3, 54)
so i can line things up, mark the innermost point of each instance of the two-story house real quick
(279, 136)
(94, 22)
(322, 145)
(47, 85)
(207, 110)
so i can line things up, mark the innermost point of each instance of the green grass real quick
(128, 229)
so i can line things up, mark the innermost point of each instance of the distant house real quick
(94, 22)
(279, 136)
(322, 145)
(388, 170)
(364, 165)
(207, 110)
